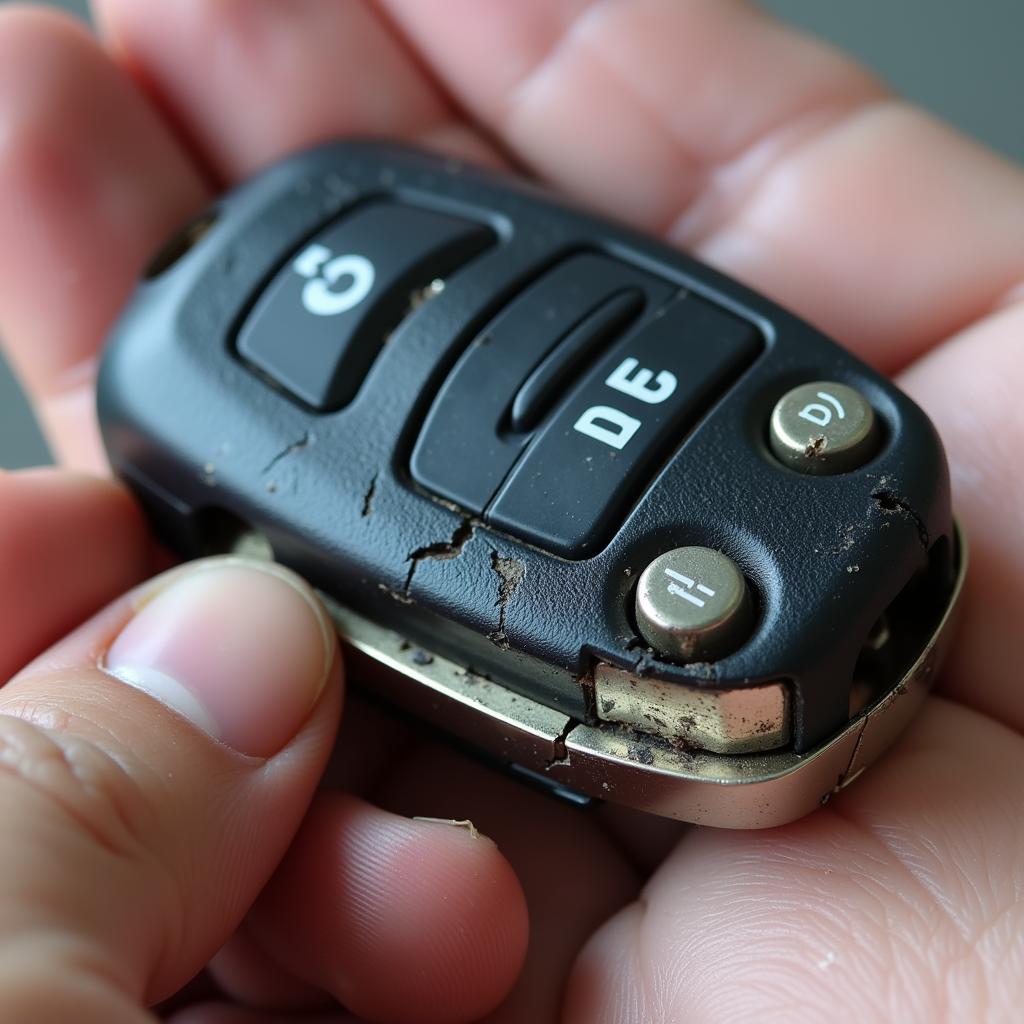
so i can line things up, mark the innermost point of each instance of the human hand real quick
(765, 154)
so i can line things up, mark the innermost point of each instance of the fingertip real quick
(241, 648)
(401, 919)
(86, 167)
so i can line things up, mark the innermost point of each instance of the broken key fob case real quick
(611, 517)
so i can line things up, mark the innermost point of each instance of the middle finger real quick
(249, 80)
(573, 875)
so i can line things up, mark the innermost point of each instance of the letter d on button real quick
(607, 425)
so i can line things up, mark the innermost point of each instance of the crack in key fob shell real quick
(613, 519)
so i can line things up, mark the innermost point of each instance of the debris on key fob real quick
(611, 518)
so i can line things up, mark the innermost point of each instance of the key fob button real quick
(824, 428)
(692, 604)
(572, 488)
(500, 388)
(551, 379)
(318, 327)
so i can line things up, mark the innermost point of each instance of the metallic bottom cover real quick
(745, 790)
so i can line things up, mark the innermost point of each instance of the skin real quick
(763, 152)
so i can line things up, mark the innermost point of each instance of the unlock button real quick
(824, 428)
(319, 325)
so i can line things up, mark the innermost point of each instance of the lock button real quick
(824, 428)
(317, 328)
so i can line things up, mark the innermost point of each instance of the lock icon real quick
(324, 271)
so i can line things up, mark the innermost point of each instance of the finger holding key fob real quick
(614, 519)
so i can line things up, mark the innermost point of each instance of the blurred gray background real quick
(960, 58)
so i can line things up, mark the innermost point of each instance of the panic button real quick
(318, 327)
(571, 489)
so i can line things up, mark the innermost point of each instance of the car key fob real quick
(613, 519)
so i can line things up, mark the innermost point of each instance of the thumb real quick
(154, 767)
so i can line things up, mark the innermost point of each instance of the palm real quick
(767, 156)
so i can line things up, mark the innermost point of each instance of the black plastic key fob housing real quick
(612, 517)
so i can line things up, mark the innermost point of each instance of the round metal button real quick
(692, 604)
(823, 428)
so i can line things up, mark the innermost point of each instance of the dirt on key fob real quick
(612, 518)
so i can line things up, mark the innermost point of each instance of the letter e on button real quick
(608, 425)
(637, 385)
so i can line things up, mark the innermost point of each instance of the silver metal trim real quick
(752, 790)
(481, 711)
(723, 721)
